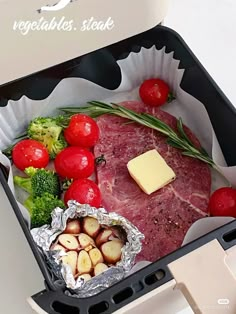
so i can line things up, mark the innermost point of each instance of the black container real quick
(101, 68)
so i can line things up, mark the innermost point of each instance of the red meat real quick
(164, 216)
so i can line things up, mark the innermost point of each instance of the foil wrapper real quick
(47, 234)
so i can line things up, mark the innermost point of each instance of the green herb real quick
(178, 139)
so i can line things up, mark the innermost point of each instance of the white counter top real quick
(209, 28)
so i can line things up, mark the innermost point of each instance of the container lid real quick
(38, 34)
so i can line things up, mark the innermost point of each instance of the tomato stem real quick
(100, 159)
(170, 97)
(66, 184)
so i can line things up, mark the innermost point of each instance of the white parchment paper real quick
(148, 63)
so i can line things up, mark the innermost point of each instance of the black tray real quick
(101, 67)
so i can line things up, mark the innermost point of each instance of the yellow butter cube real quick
(150, 171)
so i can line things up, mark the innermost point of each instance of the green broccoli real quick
(40, 208)
(49, 132)
(39, 182)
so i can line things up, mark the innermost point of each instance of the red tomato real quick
(28, 153)
(223, 202)
(154, 92)
(82, 131)
(84, 191)
(74, 163)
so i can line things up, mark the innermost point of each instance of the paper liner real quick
(137, 67)
(204, 226)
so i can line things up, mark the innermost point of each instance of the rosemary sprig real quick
(179, 139)
(8, 150)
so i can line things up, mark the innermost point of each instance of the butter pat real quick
(150, 171)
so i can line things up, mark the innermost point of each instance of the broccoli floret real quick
(28, 203)
(58, 146)
(23, 183)
(49, 132)
(39, 182)
(40, 208)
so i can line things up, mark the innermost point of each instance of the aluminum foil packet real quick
(46, 235)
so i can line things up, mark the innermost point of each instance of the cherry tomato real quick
(74, 163)
(84, 191)
(223, 202)
(82, 131)
(155, 92)
(28, 153)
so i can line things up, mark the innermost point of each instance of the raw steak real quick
(164, 216)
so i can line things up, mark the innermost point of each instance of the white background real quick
(209, 28)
